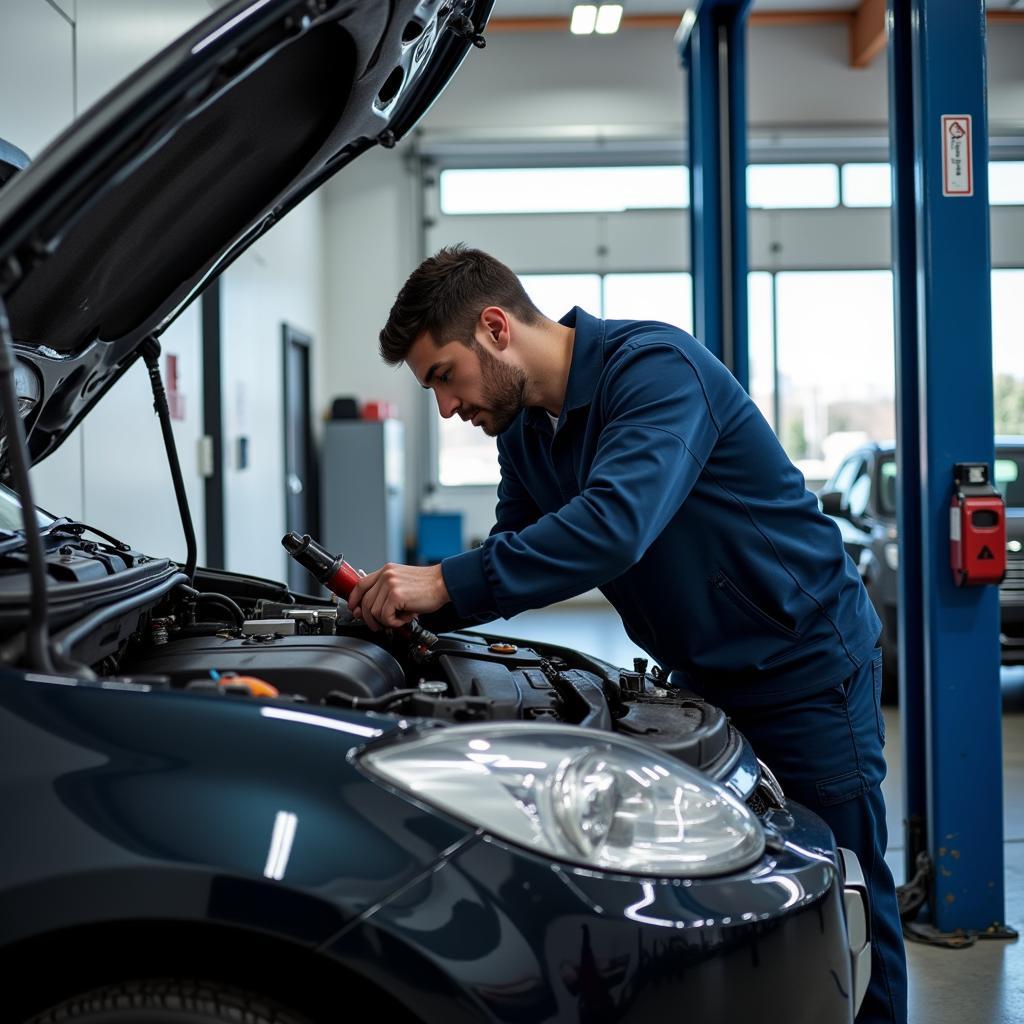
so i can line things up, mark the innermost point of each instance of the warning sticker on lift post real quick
(957, 164)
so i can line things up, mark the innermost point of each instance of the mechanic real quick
(632, 461)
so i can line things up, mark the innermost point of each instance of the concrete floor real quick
(983, 984)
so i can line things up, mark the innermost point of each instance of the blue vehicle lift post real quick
(949, 636)
(712, 44)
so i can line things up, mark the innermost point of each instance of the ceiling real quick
(562, 8)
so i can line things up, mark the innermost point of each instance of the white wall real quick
(37, 99)
(53, 65)
(112, 472)
(371, 246)
(127, 483)
(277, 281)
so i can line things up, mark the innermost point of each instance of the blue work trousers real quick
(826, 751)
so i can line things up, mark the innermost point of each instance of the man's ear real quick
(497, 326)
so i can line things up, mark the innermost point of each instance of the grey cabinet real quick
(361, 491)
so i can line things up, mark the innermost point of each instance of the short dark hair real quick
(445, 295)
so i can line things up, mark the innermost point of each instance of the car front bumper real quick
(495, 933)
(1011, 615)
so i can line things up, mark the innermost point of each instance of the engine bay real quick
(310, 650)
(231, 636)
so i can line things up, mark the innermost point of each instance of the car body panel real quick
(148, 804)
(529, 940)
(145, 805)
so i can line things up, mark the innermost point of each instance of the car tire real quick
(890, 675)
(168, 1001)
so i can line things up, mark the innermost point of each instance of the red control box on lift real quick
(977, 527)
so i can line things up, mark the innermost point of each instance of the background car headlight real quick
(578, 795)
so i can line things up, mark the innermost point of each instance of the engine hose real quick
(221, 600)
(224, 602)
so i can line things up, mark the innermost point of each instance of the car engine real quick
(312, 651)
(128, 620)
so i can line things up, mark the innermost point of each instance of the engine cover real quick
(308, 665)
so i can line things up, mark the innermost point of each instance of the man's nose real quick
(446, 404)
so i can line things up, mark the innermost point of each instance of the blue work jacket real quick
(664, 486)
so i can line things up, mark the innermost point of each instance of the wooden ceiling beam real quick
(867, 33)
(866, 24)
(671, 21)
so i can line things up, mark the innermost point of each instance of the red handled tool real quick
(340, 578)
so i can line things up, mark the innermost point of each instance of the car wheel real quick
(168, 1001)
(890, 674)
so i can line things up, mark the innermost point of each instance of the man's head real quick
(452, 324)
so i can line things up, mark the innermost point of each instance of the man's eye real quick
(443, 378)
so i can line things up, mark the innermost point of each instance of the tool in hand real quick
(340, 578)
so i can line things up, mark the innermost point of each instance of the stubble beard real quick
(503, 389)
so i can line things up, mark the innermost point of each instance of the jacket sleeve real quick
(515, 511)
(659, 430)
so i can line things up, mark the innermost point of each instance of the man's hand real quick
(395, 594)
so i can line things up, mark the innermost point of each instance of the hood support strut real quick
(150, 351)
(17, 453)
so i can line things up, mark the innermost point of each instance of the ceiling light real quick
(584, 17)
(608, 18)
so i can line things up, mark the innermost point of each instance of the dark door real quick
(299, 460)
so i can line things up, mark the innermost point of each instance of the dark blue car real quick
(227, 801)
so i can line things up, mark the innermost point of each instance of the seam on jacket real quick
(652, 342)
(664, 430)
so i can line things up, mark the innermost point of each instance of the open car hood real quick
(124, 218)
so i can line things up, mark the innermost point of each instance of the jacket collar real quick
(585, 369)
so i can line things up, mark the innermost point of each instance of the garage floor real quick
(983, 984)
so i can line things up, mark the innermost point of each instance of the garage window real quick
(1007, 349)
(1006, 183)
(563, 189)
(867, 185)
(792, 186)
(836, 374)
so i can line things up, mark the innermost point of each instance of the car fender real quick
(168, 804)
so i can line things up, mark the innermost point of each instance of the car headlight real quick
(578, 795)
(892, 556)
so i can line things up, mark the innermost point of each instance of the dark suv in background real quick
(861, 497)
